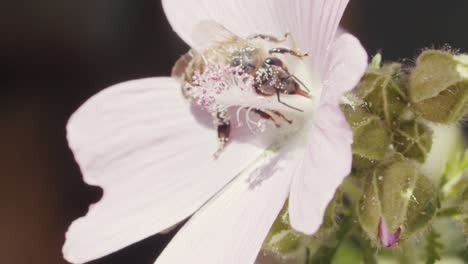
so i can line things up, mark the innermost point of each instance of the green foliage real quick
(389, 112)
(453, 174)
(282, 239)
(433, 246)
(383, 91)
(285, 241)
(438, 86)
(371, 138)
(332, 252)
(399, 193)
(413, 140)
(465, 211)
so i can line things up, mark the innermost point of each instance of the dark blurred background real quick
(55, 54)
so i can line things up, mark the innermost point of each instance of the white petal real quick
(231, 228)
(312, 23)
(328, 158)
(139, 141)
(325, 164)
(345, 67)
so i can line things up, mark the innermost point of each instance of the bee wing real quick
(208, 33)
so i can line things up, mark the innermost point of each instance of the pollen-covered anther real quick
(217, 86)
(220, 87)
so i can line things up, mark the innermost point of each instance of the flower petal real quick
(231, 228)
(312, 23)
(154, 160)
(326, 162)
(345, 67)
(328, 158)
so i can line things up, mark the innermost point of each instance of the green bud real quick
(438, 86)
(362, 166)
(371, 138)
(422, 207)
(413, 140)
(399, 196)
(289, 244)
(282, 239)
(376, 62)
(268, 257)
(383, 91)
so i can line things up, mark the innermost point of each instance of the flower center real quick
(231, 90)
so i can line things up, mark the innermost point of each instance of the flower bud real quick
(282, 239)
(397, 201)
(438, 86)
(383, 91)
(413, 140)
(376, 62)
(371, 138)
(288, 244)
(362, 166)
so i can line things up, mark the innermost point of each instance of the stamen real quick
(217, 85)
(220, 88)
(247, 118)
(239, 122)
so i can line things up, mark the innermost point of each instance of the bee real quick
(215, 45)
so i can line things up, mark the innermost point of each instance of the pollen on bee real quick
(217, 85)
(220, 87)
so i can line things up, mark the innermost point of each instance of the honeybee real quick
(215, 45)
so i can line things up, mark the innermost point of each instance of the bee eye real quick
(273, 61)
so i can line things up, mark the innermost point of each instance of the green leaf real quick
(326, 251)
(465, 211)
(453, 174)
(282, 239)
(369, 251)
(433, 247)
(448, 107)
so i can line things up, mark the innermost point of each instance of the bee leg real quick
(269, 37)
(283, 117)
(288, 51)
(224, 131)
(268, 116)
(281, 102)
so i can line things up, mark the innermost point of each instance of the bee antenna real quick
(290, 106)
(300, 82)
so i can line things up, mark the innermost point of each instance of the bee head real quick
(272, 77)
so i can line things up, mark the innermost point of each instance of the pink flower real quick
(152, 151)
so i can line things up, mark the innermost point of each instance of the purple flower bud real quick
(386, 236)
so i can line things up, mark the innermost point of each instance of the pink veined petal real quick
(139, 141)
(231, 228)
(345, 67)
(326, 162)
(312, 23)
